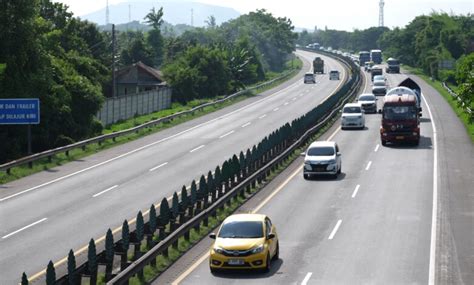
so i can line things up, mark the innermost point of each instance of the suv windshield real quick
(242, 229)
(352, 110)
(399, 112)
(379, 83)
(321, 151)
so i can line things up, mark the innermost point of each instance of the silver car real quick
(322, 158)
(379, 87)
(368, 102)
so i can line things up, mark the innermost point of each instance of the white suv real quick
(352, 116)
(322, 157)
(333, 75)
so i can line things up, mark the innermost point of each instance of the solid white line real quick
(247, 124)
(377, 148)
(434, 214)
(151, 144)
(276, 109)
(106, 190)
(286, 103)
(368, 165)
(355, 191)
(199, 147)
(24, 228)
(334, 231)
(224, 135)
(262, 116)
(156, 167)
(306, 278)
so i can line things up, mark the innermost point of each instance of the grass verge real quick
(75, 154)
(462, 115)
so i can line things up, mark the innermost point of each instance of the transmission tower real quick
(381, 4)
(107, 13)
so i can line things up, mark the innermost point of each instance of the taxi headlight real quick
(257, 249)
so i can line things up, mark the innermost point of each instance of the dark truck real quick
(393, 66)
(318, 65)
(401, 115)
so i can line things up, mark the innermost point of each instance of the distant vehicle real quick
(352, 116)
(376, 70)
(333, 75)
(368, 65)
(318, 65)
(393, 66)
(244, 241)
(379, 87)
(368, 102)
(400, 116)
(364, 56)
(376, 56)
(322, 158)
(309, 78)
(379, 78)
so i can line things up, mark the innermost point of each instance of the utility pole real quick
(192, 17)
(381, 4)
(113, 61)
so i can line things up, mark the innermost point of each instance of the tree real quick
(211, 22)
(165, 212)
(125, 236)
(109, 254)
(24, 279)
(92, 262)
(175, 206)
(71, 268)
(154, 18)
(140, 230)
(50, 274)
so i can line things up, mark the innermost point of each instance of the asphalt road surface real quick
(46, 214)
(396, 215)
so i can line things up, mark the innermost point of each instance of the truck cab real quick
(392, 66)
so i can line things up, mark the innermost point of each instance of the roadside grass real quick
(76, 154)
(451, 101)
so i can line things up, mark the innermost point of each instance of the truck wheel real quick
(306, 176)
(417, 142)
(384, 142)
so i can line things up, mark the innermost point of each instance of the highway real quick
(46, 214)
(396, 215)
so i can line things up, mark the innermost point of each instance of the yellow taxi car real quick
(244, 241)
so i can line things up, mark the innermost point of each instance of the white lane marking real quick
(294, 99)
(376, 147)
(355, 191)
(151, 144)
(106, 190)
(199, 147)
(301, 95)
(286, 103)
(156, 167)
(334, 231)
(306, 278)
(276, 109)
(24, 228)
(263, 203)
(247, 124)
(434, 214)
(229, 133)
(262, 116)
(368, 165)
(334, 133)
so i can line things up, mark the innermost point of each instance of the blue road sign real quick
(19, 111)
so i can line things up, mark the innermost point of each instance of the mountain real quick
(176, 12)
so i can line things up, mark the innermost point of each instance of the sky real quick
(333, 14)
